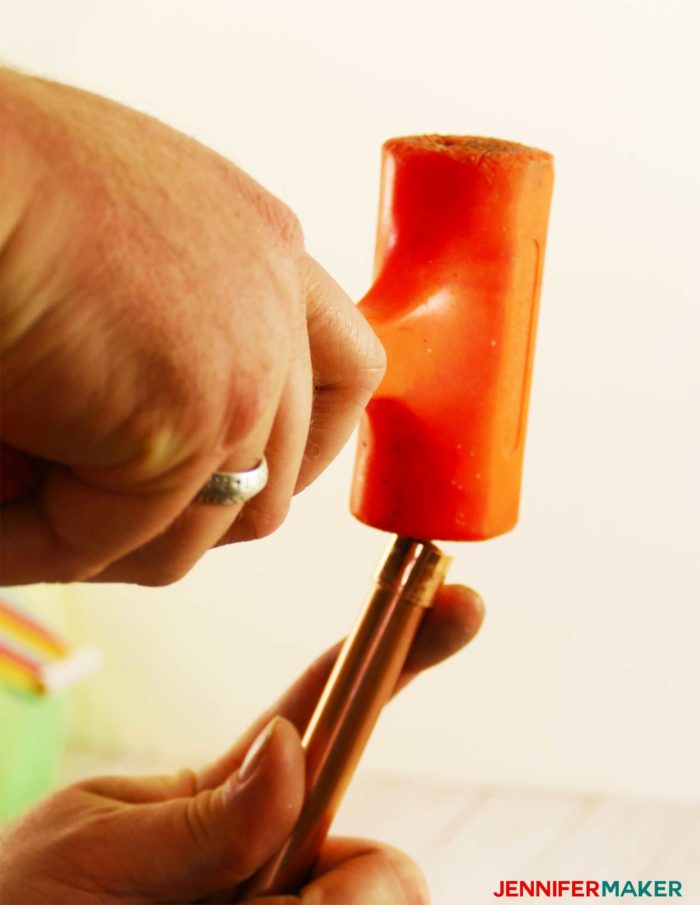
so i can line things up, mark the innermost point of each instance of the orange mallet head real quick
(460, 247)
(462, 227)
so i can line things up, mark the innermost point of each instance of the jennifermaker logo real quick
(584, 889)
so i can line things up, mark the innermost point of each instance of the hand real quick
(161, 321)
(198, 834)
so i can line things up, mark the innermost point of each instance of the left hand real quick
(195, 834)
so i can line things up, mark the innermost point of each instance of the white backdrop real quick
(586, 673)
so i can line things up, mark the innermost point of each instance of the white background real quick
(586, 673)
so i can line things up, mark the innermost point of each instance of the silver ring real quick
(229, 488)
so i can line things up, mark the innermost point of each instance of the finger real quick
(84, 515)
(358, 872)
(171, 555)
(185, 847)
(84, 521)
(73, 529)
(371, 871)
(285, 450)
(196, 528)
(452, 621)
(447, 627)
(348, 364)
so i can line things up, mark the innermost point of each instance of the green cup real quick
(32, 734)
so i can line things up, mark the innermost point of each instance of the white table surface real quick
(469, 839)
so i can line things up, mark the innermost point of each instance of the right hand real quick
(161, 321)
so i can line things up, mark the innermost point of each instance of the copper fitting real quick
(362, 681)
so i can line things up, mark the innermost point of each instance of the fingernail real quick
(257, 751)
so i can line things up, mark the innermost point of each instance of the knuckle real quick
(285, 223)
(262, 521)
(234, 858)
(65, 797)
(149, 445)
(373, 366)
(252, 399)
(166, 559)
(271, 210)
(367, 369)
(73, 565)
(289, 227)
(364, 362)
(160, 574)
(279, 217)
(195, 814)
(371, 353)
(187, 780)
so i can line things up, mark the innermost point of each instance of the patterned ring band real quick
(229, 488)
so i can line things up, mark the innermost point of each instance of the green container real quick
(32, 732)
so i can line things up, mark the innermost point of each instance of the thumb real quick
(190, 847)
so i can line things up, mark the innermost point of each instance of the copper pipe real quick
(362, 681)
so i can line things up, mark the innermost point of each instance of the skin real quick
(197, 835)
(160, 320)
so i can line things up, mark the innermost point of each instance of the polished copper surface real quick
(363, 678)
